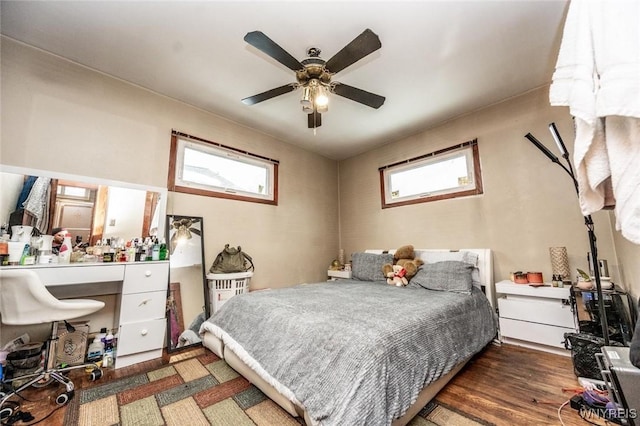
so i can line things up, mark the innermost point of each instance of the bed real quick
(360, 351)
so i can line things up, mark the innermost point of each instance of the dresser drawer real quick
(143, 306)
(145, 277)
(534, 332)
(543, 311)
(141, 336)
(82, 274)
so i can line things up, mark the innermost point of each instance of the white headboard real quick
(485, 267)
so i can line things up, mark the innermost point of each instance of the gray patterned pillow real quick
(368, 266)
(463, 256)
(449, 275)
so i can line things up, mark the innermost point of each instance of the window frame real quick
(177, 151)
(421, 160)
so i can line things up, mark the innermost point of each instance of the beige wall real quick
(629, 261)
(62, 117)
(529, 204)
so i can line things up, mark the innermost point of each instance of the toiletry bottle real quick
(163, 249)
(108, 343)
(65, 250)
(148, 247)
(102, 335)
(155, 251)
(97, 250)
(95, 351)
(25, 254)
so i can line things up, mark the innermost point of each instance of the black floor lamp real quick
(587, 219)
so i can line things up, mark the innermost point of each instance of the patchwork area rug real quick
(202, 390)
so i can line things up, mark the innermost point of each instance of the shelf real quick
(614, 290)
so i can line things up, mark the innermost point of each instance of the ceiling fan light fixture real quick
(321, 98)
(307, 98)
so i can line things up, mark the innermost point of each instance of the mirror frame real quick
(170, 239)
(162, 201)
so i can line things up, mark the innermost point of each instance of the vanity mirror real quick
(186, 308)
(89, 208)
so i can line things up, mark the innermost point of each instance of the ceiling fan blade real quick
(359, 95)
(314, 120)
(263, 43)
(269, 94)
(366, 43)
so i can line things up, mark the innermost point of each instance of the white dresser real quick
(535, 317)
(142, 321)
(141, 289)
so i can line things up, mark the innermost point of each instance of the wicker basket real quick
(223, 287)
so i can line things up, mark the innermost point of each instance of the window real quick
(201, 167)
(448, 173)
(72, 191)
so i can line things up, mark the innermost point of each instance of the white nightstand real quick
(535, 317)
(338, 275)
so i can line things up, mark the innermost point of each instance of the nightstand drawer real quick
(143, 306)
(339, 274)
(141, 336)
(543, 311)
(533, 332)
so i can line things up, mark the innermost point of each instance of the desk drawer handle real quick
(144, 302)
(144, 332)
(147, 273)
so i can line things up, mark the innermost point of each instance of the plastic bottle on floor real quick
(95, 351)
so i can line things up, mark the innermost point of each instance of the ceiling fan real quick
(314, 74)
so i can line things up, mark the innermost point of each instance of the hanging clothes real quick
(37, 203)
(24, 192)
(597, 76)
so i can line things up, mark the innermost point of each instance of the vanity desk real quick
(141, 290)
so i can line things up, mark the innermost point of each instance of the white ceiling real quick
(439, 59)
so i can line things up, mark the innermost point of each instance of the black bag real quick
(231, 260)
(584, 347)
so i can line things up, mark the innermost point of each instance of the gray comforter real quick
(353, 352)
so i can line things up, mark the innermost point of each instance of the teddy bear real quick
(404, 256)
(397, 276)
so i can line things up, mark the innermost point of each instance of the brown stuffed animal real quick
(405, 256)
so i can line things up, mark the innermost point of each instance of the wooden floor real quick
(510, 385)
(503, 385)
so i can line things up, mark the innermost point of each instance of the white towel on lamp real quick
(593, 171)
(623, 146)
(598, 76)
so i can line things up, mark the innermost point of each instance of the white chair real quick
(24, 300)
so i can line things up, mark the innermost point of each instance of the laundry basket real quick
(223, 287)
